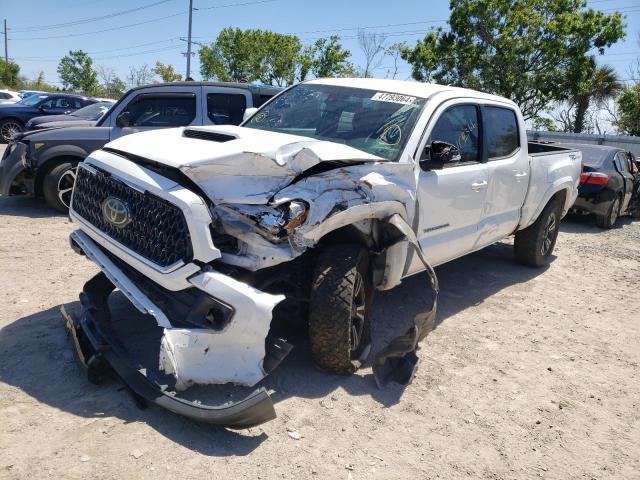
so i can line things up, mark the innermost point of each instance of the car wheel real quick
(534, 245)
(58, 185)
(609, 219)
(8, 128)
(339, 308)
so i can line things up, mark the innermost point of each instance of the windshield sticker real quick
(391, 135)
(393, 98)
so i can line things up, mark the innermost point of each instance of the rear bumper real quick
(241, 353)
(595, 204)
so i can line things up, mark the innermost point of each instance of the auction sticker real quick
(393, 98)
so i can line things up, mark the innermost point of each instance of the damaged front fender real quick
(398, 361)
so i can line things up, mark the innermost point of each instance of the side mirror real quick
(123, 120)
(248, 113)
(437, 154)
(43, 108)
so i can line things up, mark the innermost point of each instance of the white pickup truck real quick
(333, 189)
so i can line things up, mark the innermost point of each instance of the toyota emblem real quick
(116, 212)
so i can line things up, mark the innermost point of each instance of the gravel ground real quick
(529, 374)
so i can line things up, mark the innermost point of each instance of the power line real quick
(142, 23)
(89, 20)
(133, 54)
(97, 52)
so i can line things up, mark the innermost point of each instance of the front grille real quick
(157, 229)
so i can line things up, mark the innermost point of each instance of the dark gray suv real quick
(43, 163)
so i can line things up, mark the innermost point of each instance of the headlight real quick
(285, 217)
(273, 223)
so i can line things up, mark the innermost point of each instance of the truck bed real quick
(552, 168)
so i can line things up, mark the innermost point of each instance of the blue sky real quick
(158, 38)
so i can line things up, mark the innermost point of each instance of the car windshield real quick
(33, 100)
(92, 112)
(378, 123)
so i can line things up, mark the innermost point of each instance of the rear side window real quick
(226, 108)
(501, 126)
(161, 110)
(4, 96)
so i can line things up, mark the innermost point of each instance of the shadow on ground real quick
(581, 224)
(36, 355)
(27, 207)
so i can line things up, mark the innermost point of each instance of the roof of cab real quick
(405, 87)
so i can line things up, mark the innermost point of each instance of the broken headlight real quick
(283, 219)
(273, 223)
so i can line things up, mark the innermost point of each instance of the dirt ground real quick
(529, 374)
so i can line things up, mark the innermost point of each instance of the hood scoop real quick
(208, 135)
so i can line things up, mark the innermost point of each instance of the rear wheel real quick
(8, 128)
(609, 219)
(58, 185)
(534, 245)
(339, 308)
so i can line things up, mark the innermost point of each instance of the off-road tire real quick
(608, 220)
(330, 308)
(529, 245)
(50, 185)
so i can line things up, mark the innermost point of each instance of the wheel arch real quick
(47, 166)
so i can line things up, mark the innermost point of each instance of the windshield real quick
(378, 123)
(33, 100)
(92, 112)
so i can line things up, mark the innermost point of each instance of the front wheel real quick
(58, 185)
(339, 308)
(534, 245)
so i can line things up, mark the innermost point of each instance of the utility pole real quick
(188, 41)
(6, 53)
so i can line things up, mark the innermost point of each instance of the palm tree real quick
(602, 85)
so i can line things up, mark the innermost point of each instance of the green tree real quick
(281, 57)
(628, 103)
(592, 86)
(9, 74)
(520, 49)
(235, 56)
(326, 58)
(166, 72)
(76, 71)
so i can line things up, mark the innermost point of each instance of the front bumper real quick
(12, 171)
(102, 352)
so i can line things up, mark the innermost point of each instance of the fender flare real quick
(562, 184)
(395, 255)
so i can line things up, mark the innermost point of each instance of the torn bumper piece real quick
(235, 354)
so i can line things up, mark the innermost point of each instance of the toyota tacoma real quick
(333, 189)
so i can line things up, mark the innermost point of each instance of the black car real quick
(608, 181)
(14, 116)
(83, 117)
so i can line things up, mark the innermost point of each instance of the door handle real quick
(477, 186)
(521, 174)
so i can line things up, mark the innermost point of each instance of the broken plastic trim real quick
(398, 361)
(100, 353)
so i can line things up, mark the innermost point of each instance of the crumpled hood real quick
(238, 165)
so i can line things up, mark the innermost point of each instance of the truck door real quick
(224, 105)
(508, 169)
(157, 107)
(451, 199)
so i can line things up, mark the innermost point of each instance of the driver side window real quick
(458, 125)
